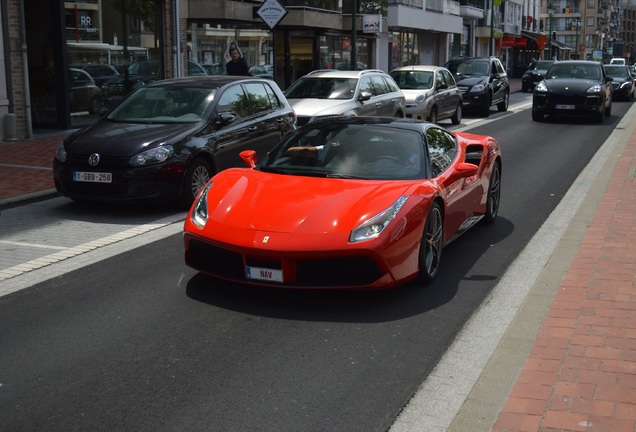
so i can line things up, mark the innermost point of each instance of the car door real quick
(368, 107)
(499, 80)
(381, 97)
(453, 96)
(442, 95)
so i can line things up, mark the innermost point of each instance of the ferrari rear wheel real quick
(494, 194)
(431, 245)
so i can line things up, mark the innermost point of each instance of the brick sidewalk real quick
(581, 372)
(26, 166)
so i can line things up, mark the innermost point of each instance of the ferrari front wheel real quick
(431, 245)
(494, 194)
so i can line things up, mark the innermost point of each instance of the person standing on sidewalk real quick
(238, 65)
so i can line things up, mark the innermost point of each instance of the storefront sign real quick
(372, 23)
(271, 12)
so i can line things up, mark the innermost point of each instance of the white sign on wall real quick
(372, 23)
(271, 12)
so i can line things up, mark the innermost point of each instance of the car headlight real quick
(479, 88)
(60, 154)
(541, 87)
(597, 88)
(152, 156)
(626, 84)
(421, 97)
(373, 227)
(200, 210)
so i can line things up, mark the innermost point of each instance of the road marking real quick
(70, 252)
(33, 245)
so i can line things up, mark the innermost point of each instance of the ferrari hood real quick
(319, 107)
(249, 199)
(124, 139)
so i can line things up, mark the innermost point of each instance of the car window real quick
(439, 80)
(259, 99)
(442, 149)
(233, 101)
(412, 80)
(322, 88)
(448, 78)
(365, 85)
(273, 99)
(80, 78)
(379, 86)
(393, 87)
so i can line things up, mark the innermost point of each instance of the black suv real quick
(483, 83)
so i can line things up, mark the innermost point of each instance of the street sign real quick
(271, 12)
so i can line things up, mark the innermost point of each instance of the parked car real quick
(165, 141)
(347, 202)
(330, 92)
(99, 72)
(431, 93)
(618, 61)
(573, 88)
(532, 76)
(263, 71)
(483, 83)
(85, 95)
(141, 73)
(623, 81)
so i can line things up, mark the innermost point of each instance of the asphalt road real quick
(135, 342)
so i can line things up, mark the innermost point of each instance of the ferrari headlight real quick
(597, 88)
(373, 227)
(152, 156)
(541, 87)
(200, 210)
(60, 154)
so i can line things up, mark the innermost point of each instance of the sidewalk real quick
(580, 374)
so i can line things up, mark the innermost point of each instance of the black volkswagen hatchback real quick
(166, 139)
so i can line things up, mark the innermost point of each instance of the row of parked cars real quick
(166, 139)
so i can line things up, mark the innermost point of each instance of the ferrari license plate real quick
(565, 107)
(92, 177)
(267, 274)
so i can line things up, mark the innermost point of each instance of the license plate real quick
(565, 107)
(92, 177)
(266, 274)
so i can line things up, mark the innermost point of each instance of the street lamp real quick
(578, 27)
(550, 14)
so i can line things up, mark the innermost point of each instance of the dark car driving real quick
(622, 81)
(483, 83)
(573, 88)
(535, 74)
(167, 139)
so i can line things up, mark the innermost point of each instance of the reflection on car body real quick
(348, 202)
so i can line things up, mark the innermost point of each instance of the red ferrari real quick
(354, 202)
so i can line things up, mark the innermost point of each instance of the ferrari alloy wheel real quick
(431, 246)
(457, 117)
(494, 194)
(196, 176)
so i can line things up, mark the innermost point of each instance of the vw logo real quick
(93, 159)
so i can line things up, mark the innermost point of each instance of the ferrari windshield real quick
(322, 88)
(413, 80)
(364, 151)
(164, 105)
